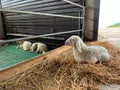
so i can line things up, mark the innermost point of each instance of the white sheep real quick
(26, 45)
(89, 54)
(39, 47)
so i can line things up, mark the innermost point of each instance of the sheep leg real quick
(19, 46)
(38, 49)
(43, 52)
(100, 63)
(93, 60)
(79, 60)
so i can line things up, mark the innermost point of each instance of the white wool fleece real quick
(83, 53)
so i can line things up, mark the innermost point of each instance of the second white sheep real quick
(39, 47)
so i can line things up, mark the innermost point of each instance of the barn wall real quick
(92, 19)
(36, 25)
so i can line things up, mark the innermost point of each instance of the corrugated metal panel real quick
(36, 25)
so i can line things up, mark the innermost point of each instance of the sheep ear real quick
(78, 46)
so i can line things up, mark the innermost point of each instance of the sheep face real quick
(74, 41)
(71, 41)
(34, 47)
(20, 42)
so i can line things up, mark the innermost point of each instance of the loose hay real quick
(64, 73)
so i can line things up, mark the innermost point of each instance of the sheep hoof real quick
(91, 62)
(100, 63)
(43, 52)
(80, 61)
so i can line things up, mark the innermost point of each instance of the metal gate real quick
(52, 21)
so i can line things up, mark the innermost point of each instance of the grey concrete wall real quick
(91, 19)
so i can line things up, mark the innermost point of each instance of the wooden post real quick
(1, 26)
(91, 19)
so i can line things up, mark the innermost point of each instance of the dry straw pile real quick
(64, 73)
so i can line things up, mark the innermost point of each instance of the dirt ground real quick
(110, 34)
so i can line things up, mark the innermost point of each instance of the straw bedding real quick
(64, 73)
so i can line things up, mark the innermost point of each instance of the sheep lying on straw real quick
(89, 54)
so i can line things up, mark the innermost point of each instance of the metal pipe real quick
(39, 13)
(83, 25)
(26, 35)
(73, 3)
(38, 36)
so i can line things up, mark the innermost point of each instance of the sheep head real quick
(34, 47)
(74, 41)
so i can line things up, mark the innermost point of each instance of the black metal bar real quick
(73, 3)
(39, 13)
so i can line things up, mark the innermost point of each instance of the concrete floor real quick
(110, 34)
(109, 87)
